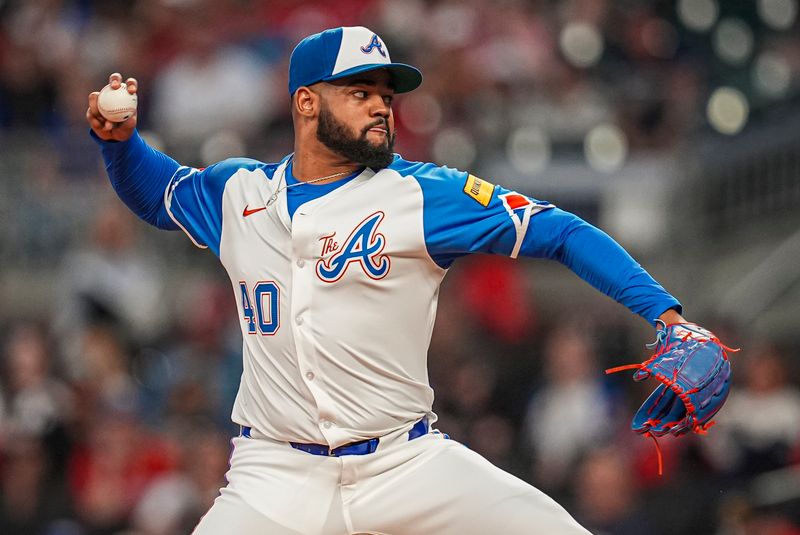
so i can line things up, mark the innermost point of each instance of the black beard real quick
(337, 137)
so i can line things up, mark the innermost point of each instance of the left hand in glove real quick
(693, 368)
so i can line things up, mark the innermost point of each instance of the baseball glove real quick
(693, 368)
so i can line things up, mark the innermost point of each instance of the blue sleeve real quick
(194, 199)
(168, 195)
(596, 258)
(140, 175)
(464, 214)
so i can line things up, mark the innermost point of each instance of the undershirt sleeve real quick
(597, 259)
(139, 175)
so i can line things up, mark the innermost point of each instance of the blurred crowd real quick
(115, 398)
(115, 421)
(525, 79)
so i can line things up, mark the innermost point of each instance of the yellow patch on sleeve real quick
(479, 189)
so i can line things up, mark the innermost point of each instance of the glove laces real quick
(661, 347)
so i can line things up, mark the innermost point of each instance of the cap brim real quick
(404, 77)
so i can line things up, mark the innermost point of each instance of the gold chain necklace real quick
(274, 196)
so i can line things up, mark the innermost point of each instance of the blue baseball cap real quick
(341, 52)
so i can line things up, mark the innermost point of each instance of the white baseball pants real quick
(429, 485)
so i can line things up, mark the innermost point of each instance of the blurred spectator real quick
(466, 388)
(474, 381)
(109, 472)
(760, 425)
(37, 404)
(571, 412)
(212, 85)
(38, 229)
(196, 377)
(495, 293)
(31, 499)
(770, 524)
(738, 516)
(174, 502)
(27, 95)
(106, 383)
(606, 498)
(111, 282)
(494, 437)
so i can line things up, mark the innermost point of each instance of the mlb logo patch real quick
(520, 208)
(514, 201)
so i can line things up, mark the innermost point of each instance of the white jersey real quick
(337, 290)
(338, 303)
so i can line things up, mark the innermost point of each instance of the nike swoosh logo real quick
(247, 212)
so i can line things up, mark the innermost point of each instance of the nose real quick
(379, 107)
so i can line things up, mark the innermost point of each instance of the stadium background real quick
(672, 125)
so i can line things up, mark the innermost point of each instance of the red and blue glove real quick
(693, 368)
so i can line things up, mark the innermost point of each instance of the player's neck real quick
(312, 164)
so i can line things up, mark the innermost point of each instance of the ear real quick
(306, 102)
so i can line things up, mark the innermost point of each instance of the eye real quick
(388, 99)
(360, 94)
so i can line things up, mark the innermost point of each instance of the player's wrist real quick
(671, 316)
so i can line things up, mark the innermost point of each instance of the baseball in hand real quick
(116, 105)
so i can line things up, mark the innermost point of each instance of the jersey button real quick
(326, 424)
(310, 376)
(301, 263)
(299, 320)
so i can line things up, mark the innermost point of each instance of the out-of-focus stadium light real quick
(581, 44)
(772, 75)
(222, 145)
(606, 148)
(454, 147)
(733, 41)
(698, 15)
(778, 14)
(528, 149)
(420, 112)
(727, 110)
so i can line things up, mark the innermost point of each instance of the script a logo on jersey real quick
(374, 44)
(363, 246)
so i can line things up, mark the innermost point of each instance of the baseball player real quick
(335, 255)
